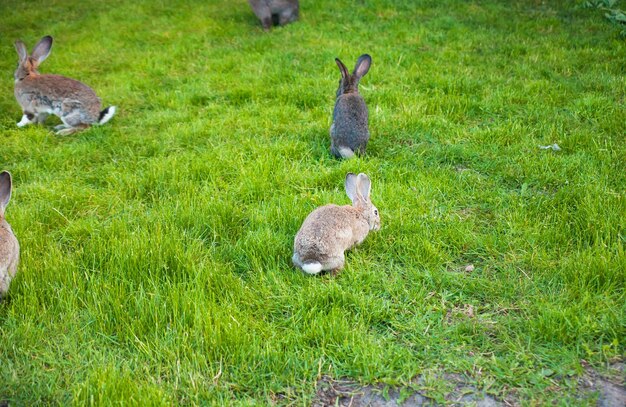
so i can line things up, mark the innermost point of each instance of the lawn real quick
(156, 249)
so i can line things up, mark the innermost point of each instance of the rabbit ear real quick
(42, 49)
(351, 186)
(342, 68)
(364, 186)
(362, 66)
(20, 47)
(5, 190)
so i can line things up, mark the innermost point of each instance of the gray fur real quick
(5, 190)
(330, 230)
(9, 246)
(349, 132)
(275, 12)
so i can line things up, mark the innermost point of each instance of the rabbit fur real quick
(9, 246)
(349, 132)
(42, 94)
(330, 230)
(275, 12)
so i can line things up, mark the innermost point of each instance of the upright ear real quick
(342, 68)
(364, 186)
(351, 183)
(20, 47)
(362, 66)
(42, 49)
(5, 190)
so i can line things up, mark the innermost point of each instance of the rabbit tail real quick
(346, 152)
(106, 115)
(312, 268)
(343, 152)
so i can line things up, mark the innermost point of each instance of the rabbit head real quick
(28, 64)
(358, 188)
(349, 83)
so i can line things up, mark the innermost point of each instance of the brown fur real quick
(9, 246)
(39, 95)
(327, 228)
(330, 230)
(9, 256)
(32, 93)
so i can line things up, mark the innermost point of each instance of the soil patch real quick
(346, 393)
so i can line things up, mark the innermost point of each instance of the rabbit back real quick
(350, 124)
(327, 232)
(9, 256)
(58, 95)
(290, 7)
(275, 12)
(9, 247)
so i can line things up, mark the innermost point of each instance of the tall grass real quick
(156, 249)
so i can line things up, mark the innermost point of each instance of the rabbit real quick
(9, 247)
(349, 132)
(275, 12)
(330, 230)
(40, 95)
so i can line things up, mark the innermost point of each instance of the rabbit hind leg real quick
(41, 117)
(66, 131)
(72, 120)
(335, 264)
(288, 15)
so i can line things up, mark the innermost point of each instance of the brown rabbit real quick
(275, 12)
(330, 230)
(9, 247)
(40, 95)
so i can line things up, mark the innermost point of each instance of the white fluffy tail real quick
(346, 152)
(106, 114)
(312, 268)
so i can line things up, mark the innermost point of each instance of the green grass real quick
(156, 249)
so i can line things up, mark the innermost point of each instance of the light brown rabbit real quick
(9, 247)
(40, 95)
(330, 230)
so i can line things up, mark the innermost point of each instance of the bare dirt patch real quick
(346, 393)
(610, 387)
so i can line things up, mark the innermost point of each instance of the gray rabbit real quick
(349, 132)
(42, 94)
(275, 12)
(330, 230)
(9, 247)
